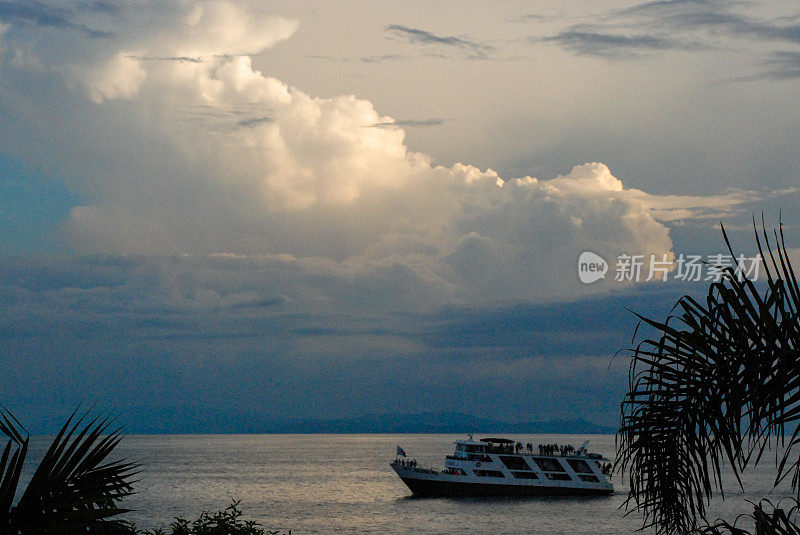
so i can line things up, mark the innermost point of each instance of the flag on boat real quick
(400, 451)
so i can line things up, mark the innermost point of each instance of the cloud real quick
(109, 7)
(593, 43)
(781, 65)
(714, 16)
(243, 242)
(183, 59)
(410, 123)
(45, 14)
(382, 58)
(216, 157)
(664, 25)
(254, 121)
(218, 331)
(686, 207)
(530, 17)
(414, 35)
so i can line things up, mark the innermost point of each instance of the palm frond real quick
(766, 518)
(10, 463)
(74, 487)
(717, 385)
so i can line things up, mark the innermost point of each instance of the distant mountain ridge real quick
(429, 423)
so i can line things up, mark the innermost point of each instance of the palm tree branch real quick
(73, 478)
(719, 373)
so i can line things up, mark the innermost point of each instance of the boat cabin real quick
(493, 466)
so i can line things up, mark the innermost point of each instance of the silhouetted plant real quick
(717, 385)
(767, 519)
(226, 522)
(73, 489)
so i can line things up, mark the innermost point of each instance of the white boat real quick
(503, 467)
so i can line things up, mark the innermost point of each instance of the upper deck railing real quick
(504, 446)
(461, 455)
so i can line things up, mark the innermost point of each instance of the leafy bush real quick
(226, 522)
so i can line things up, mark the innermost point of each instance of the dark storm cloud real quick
(164, 333)
(414, 35)
(596, 326)
(42, 14)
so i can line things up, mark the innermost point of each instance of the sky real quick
(212, 213)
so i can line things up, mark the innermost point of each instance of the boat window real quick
(489, 473)
(514, 463)
(559, 477)
(549, 465)
(590, 479)
(582, 467)
(525, 475)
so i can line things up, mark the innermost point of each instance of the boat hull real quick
(501, 467)
(432, 487)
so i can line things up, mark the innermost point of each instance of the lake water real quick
(343, 484)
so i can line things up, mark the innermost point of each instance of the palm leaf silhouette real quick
(74, 489)
(767, 519)
(717, 385)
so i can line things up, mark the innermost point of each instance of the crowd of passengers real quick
(554, 449)
(544, 449)
(409, 462)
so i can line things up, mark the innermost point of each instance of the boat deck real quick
(502, 467)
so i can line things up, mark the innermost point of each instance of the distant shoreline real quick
(374, 424)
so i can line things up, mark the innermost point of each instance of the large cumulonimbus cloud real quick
(178, 145)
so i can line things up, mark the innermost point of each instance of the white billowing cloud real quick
(680, 207)
(188, 33)
(529, 234)
(203, 154)
(119, 78)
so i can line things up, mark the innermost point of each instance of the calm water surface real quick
(343, 484)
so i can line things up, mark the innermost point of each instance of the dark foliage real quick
(766, 519)
(718, 385)
(226, 522)
(74, 489)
